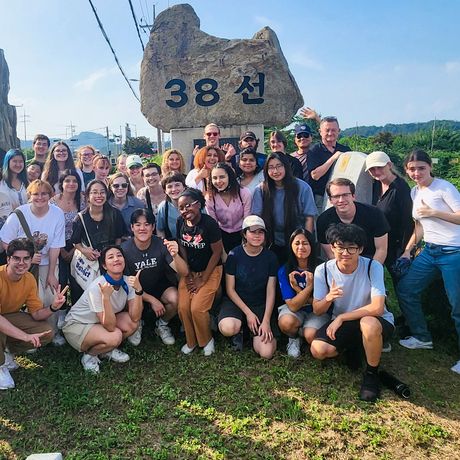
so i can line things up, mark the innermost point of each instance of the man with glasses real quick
(346, 210)
(40, 146)
(302, 139)
(322, 156)
(352, 289)
(21, 330)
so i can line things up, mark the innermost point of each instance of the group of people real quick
(236, 240)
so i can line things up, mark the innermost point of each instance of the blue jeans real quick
(434, 259)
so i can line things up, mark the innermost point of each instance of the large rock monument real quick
(190, 78)
(8, 119)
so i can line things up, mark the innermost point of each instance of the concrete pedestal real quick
(185, 139)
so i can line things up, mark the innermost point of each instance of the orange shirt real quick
(15, 294)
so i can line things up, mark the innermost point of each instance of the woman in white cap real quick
(391, 195)
(251, 282)
(134, 167)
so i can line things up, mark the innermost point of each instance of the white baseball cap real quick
(377, 159)
(253, 221)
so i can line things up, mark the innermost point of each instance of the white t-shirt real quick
(48, 231)
(358, 287)
(190, 180)
(442, 196)
(16, 197)
(90, 303)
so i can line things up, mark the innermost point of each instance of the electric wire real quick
(135, 23)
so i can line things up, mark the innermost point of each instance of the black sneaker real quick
(370, 387)
(236, 341)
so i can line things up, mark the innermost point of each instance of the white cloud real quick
(88, 83)
(302, 60)
(264, 21)
(452, 66)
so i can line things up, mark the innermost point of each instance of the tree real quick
(138, 145)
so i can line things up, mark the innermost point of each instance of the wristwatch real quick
(139, 292)
(52, 309)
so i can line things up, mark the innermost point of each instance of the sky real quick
(368, 63)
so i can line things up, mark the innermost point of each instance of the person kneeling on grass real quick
(354, 287)
(99, 322)
(19, 330)
(251, 283)
(296, 284)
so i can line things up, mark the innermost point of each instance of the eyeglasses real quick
(60, 150)
(154, 174)
(302, 136)
(124, 185)
(350, 249)
(100, 193)
(135, 167)
(342, 195)
(275, 168)
(187, 206)
(21, 259)
(212, 133)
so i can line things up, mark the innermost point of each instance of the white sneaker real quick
(135, 338)
(6, 381)
(386, 348)
(456, 367)
(116, 355)
(413, 344)
(10, 362)
(165, 334)
(186, 349)
(90, 363)
(209, 348)
(59, 340)
(61, 314)
(293, 348)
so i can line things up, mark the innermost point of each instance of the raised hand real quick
(106, 289)
(172, 247)
(334, 292)
(134, 281)
(59, 297)
(425, 211)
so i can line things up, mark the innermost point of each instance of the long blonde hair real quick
(164, 164)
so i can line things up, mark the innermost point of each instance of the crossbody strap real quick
(86, 231)
(24, 224)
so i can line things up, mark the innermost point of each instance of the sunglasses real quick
(124, 185)
(212, 134)
(302, 136)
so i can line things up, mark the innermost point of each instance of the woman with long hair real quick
(250, 274)
(173, 161)
(284, 202)
(59, 159)
(14, 179)
(295, 278)
(391, 195)
(228, 204)
(278, 144)
(107, 313)
(200, 244)
(251, 173)
(436, 212)
(205, 159)
(122, 198)
(71, 201)
(101, 168)
(85, 156)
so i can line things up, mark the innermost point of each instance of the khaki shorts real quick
(75, 333)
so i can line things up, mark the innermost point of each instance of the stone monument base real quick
(185, 139)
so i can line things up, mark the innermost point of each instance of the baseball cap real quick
(253, 221)
(303, 129)
(247, 134)
(378, 159)
(133, 160)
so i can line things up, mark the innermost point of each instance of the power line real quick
(135, 23)
(113, 51)
(142, 10)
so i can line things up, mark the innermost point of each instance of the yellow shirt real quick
(15, 294)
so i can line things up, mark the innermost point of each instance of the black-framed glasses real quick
(350, 249)
(341, 195)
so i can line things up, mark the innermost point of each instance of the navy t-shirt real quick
(251, 274)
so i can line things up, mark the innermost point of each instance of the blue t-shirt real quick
(173, 214)
(286, 289)
(251, 274)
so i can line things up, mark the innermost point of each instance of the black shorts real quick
(229, 310)
(349, 334)
(159, 288)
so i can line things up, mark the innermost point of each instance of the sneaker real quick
(165, 334)
(293, 348)
(209, 348)
(90, 363)
(186, 349)
(386, 348)
(10, 362)
(236, 341)
(58, 340)
(456, 367)
(412, 343)
(6, 381)
(135, 338)
(116, 355)
(370, 387)
(61, 314)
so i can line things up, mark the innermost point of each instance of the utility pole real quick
(108, 142)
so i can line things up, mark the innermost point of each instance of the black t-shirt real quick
(102, 233)
(368, 217)
(154, 262)
(197, 241)
(296, 167)
(396, 204)
(318, 155)
(251, 274)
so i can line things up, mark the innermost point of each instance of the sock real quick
(372, 369)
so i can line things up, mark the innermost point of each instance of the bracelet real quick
(139, 292)
(54, 310)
